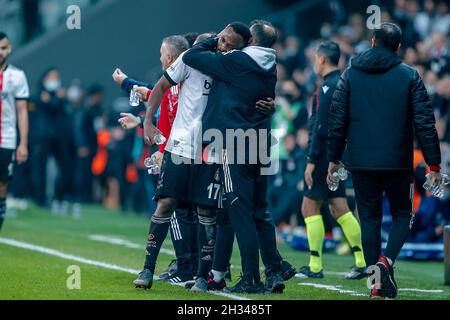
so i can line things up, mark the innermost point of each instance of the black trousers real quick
(245, 203)
(369, 189)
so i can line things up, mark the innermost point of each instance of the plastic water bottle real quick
(134, 97)
(159, 139)
(340, 175)
(436, 190)
(152, 165)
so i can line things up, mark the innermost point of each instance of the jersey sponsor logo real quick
(325, 89)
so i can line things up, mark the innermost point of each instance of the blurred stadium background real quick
(68, 175)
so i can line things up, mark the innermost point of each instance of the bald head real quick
(263, 33)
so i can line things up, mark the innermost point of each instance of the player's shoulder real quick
(15, 71)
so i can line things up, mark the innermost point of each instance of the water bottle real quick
(340, 175)
(159, 139)
(436, 190)
(152, 165)
(134, 97)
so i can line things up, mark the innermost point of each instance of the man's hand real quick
(159, 157)
(266, 107)
(436, 178)
(150, 131)
(332, 168)
(119, 76)
(22, 153)
(310, 167)
(142, 91)
(129, 121)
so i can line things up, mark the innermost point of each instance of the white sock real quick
(218, 275)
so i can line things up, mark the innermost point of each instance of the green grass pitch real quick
(27, 273)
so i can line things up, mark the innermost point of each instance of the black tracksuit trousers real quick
(399, 190)
(245, 204)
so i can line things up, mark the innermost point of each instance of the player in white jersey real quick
(14, 93)
(176, 175)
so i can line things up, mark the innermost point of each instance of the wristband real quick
(148, 95)
(435, 168)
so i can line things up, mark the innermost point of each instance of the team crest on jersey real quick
(4, 95)
(325, 89)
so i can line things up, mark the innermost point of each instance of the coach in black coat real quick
(378, 105)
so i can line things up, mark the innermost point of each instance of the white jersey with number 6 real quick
(192, 100)
(13, 86)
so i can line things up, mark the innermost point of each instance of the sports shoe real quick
(145, 279)
(215, 286)
(305, 272)
(376, 294)
(201, 285)
(388, 284)
(179, 278)
(275, 283)
(172, 268)
(244, 286)
(356, 273)
(287, 270)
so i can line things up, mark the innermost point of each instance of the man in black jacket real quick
(240, 79)
(378, 105)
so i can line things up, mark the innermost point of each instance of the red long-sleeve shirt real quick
(168, 111)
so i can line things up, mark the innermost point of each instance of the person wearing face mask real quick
(53, 140)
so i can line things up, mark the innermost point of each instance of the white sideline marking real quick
(123, 242)
(62, 255)
(421, 290)
(332, 288)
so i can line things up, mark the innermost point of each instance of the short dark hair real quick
(177, 44)
(389, 35)
(3, 36)
(264, 33)
(241, 29)
(331, 51)
(191, 37)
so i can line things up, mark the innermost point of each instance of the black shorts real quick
(174, 179)
(7, 157)
(205, 184)
(319, 190)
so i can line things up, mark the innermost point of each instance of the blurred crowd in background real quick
(80, 154)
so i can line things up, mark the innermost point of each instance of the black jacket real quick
(318, 123)
(378, 105)
(241, 78)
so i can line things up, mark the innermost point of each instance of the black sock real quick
(2, 211)
(156, 236)
(397, 236)
(206, 242)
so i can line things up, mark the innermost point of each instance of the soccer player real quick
(183, 221)
(176, 177)
(316, 191)
(378, 107)
(14, 93)
(240, 79)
